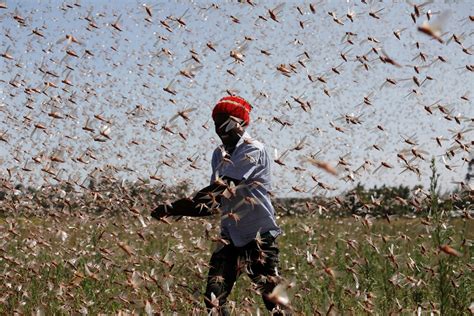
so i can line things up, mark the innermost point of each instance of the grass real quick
(63, 265)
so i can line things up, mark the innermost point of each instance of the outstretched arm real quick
(204, 203)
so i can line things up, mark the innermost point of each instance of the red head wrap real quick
(234, 106)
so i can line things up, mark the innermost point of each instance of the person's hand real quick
(160, 212)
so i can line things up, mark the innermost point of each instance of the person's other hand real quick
(160, 212)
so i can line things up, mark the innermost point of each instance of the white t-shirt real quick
(250, 210)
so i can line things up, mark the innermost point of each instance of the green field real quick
(94, 264)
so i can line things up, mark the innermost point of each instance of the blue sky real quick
(122, 83)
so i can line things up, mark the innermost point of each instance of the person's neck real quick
(229, 148)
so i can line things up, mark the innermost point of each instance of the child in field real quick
(239, 190)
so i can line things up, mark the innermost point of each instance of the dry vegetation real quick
(77, 261)
(100, 264)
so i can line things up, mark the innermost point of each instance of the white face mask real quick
(231, 123)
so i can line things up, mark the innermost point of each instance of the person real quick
(239, 191)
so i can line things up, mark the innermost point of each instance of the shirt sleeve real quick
(243, 163)
(214, 166)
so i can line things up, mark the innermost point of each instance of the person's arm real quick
(204, 203)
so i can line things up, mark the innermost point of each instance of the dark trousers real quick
(259, 261)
